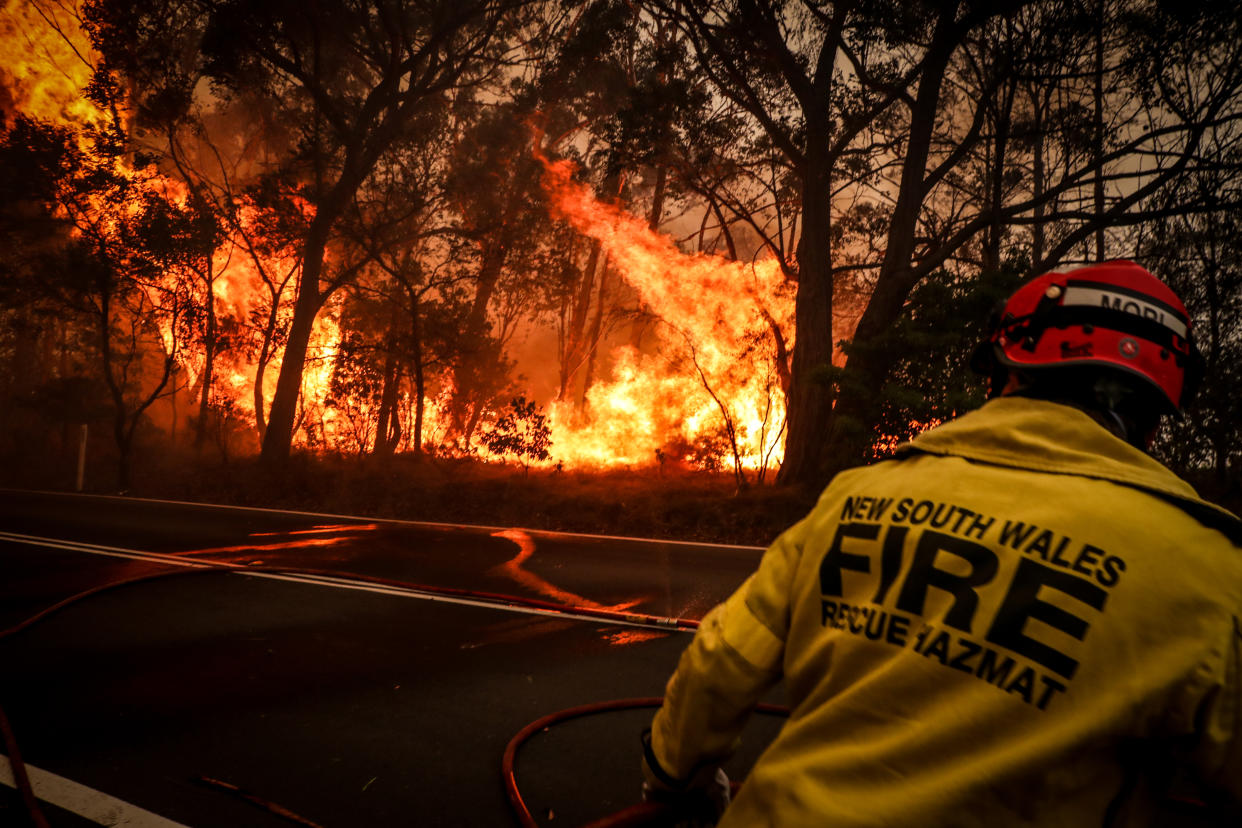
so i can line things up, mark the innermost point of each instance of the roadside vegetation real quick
(674, 503)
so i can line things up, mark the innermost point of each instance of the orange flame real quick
(45, 62)
(717, 370)
(708, 391)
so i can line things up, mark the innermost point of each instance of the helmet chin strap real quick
(1120, 402)
(1104, 402)
(1117, 425)
(1108, 397)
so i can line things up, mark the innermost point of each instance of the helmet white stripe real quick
(1123, 301)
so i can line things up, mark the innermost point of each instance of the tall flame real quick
(726, 327)
(46, 63)
(708, 393)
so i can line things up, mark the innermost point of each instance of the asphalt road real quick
(208, 697)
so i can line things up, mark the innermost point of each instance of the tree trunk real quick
(260, 376)
(868, 365)
(642, 315)
(278, 437)
(572, 354)
(810, 398)
(472, 422)
(578, 344)
(123, 446)
(811, 393)
(489, 274)
(657, 197)
(996, 196)
(420, 379)
(596, 334)
(388, 429)
(209, 359)
(474, 353)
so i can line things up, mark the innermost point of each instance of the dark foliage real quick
(521, 431)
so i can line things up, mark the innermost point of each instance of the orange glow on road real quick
(338, 534)
(318, 530)
(623, 638)
(513, 570)
(266, 547)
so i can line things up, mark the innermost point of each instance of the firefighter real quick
(1020, 619)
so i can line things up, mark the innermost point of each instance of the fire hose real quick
(646, 813)
(635, 816)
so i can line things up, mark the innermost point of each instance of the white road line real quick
(88, 803)
(664, 624)
(547, 533)
(112, 551)
(341, 582)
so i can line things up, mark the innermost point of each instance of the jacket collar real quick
(1042, 436)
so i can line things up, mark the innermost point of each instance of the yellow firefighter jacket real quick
(995, 628)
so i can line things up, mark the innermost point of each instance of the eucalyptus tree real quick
(1200, 255)
(346, 80)
(124, 266)
(885, 112)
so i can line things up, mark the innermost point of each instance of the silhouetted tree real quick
(520, 431)
(1200, 255)
(122, 273)
(349, 80)
(893, 101)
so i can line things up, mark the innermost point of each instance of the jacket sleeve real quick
(735, 658)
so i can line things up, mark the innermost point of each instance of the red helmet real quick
(1114, 314)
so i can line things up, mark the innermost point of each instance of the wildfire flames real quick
(706, 389)
(718, 364)
(45, 63)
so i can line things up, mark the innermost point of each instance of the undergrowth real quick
(673, 503)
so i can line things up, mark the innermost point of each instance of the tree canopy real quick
(783, 227)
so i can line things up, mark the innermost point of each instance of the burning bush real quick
(520, 431)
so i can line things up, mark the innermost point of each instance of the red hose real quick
(641, 814)
(73, 599)
(508, 762)
(634, 816)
